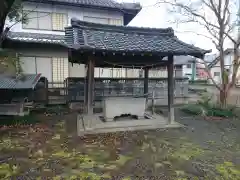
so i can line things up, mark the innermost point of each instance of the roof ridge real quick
(130, 29)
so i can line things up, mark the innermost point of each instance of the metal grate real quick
(104, 87)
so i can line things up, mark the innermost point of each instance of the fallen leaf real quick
(39, 153)
(158, 164)
(122, 160)
(74, 177)
(57, 178)
(167, 163)
(47, 170)
(61, 154)
(180, 173)
(56, 137)
(110, 167)
(106, 176)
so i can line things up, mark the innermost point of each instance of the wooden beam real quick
(90, 86)
(86, 89)
(145, 86)
(170, 69)
(146, 77)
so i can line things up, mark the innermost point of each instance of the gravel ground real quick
(50, 150)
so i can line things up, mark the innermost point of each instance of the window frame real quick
(50, 57)
(66, 21)
(94, 17)
(61, 62)
(115, 19)
(51, 14)
(32, 18)
(109, 19)
(215, 74)
(189, 65)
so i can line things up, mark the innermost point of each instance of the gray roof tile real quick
(28, 81)
(129, 10)
(36, 38)
(95, 3)
(124, 38)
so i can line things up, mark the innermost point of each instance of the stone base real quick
(117, 106)
(98, 126)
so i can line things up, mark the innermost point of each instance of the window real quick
(59, 69)
(55, 69)
(45, 20)
(178, 73)
(59, 21)
(111, 72)
(115, 22)
(189, 66)
(32, 22)
(96, 20)
(216, 74)
(101, 20)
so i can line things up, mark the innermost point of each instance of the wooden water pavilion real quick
(98, 45)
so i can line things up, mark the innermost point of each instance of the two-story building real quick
(215, 68)
(40, 42)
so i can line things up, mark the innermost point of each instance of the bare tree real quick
(8, 9)
(220, 19)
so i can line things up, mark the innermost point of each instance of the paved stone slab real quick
(93, 124)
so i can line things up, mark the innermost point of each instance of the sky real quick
(157, 16)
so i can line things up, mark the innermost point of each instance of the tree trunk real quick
(223, 98)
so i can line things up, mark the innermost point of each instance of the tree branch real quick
(5, 6)
(210, 75)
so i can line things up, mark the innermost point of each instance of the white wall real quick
(76, 70)
(186, 70)
(71, 11)
(216, 68)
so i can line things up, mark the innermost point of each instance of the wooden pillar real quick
(85, 88)
(170, 69)
(89, 86)
(146, 79)
(145, 86)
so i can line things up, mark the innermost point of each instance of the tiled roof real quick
(94, 3)
(36, 38)
(27, 81)
(85, 35)
(129, 10)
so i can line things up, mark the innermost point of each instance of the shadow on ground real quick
(51, 149)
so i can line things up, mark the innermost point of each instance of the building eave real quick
(37, 38)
